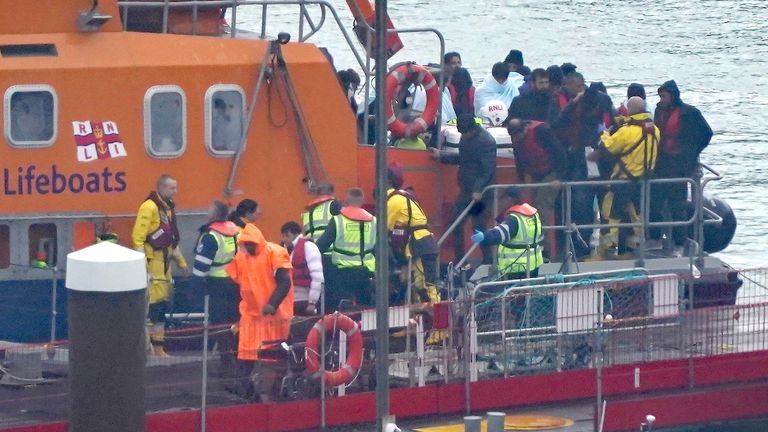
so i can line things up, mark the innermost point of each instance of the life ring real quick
(347, 371)
(403, 75)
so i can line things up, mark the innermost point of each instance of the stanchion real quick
(472, 424)
(106, 311)
(496, 421)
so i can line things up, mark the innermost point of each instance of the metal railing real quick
(305, 19)
(696, 184)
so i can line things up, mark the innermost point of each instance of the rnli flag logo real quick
(97, 140)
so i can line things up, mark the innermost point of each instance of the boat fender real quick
(716, 236)
(346, 373)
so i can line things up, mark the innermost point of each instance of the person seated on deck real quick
(464, 92)
(633, 148)
(517, 69)
(451, 63)
(496, 86)
(349, 81)
(635, 89)
(518, 237)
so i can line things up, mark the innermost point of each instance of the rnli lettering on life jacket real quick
(29, 181)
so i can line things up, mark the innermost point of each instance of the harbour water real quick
(716, 50)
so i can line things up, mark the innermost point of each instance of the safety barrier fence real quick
(502, 329)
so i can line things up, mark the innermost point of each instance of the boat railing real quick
(307, 28)
(581, 324)
(696, 183)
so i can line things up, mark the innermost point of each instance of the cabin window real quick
(42, 245)
(30, 115)
(224, 119)
(165, 121)
(5, 246)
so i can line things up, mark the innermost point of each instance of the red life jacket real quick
(524, 209)
(607, 121)
(623, 110)
(300, 273)
(356, 213)
(670, 133)
(536, 159)
(226, 228)
(562, 100)
(319, 200)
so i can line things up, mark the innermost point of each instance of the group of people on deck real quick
(563, 130)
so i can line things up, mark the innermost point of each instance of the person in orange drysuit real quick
(262, 270)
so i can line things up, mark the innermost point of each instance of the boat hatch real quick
(28, 50)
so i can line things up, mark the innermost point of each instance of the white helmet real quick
(494, 112)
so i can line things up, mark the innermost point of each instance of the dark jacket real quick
(695, 134)
(476, 160)
(546, 138)
(533, 105)
(577, 125)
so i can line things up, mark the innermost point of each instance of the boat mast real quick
(382, 252)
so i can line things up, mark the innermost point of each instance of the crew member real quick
(351, 238)
(633, 147)
(307, 272)
(518, 237)
(263, 271)
(319, 211)
(156, 235)
(247, 211)
(216, 248)
(684, 134)
(410, 238)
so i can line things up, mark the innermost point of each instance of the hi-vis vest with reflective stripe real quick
(522, 253)
(317, 217)
(354, 244)
(225, 253)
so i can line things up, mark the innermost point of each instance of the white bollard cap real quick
(106, 267)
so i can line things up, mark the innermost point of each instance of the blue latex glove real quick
(478, 236)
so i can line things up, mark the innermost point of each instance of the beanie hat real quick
(635, 89)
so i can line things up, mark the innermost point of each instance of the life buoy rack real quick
(347, 371)
(407, 74)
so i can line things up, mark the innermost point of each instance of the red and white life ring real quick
(347, 371)
(404, 75)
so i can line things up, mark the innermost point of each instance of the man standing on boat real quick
(216, 248)
(411, 239)
(307, 274)
(351, 238)
(156, 234)
(684, 134)
(539, 158)
(262, 270)
(633, 149)
(518, 238)
(320, 211)
(477, 169)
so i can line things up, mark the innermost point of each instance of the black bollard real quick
(107, 354)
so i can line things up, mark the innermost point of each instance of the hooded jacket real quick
(695, 134)
(258, 276)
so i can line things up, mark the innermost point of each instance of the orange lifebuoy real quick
(346, 372)
(404, 75)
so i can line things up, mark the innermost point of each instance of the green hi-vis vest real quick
(522, 254)
(317, 217)
(355, 239)
(225, 253)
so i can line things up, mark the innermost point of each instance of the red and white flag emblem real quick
(97, 140)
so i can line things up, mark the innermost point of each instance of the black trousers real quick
(350, 285)
(672, 197)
